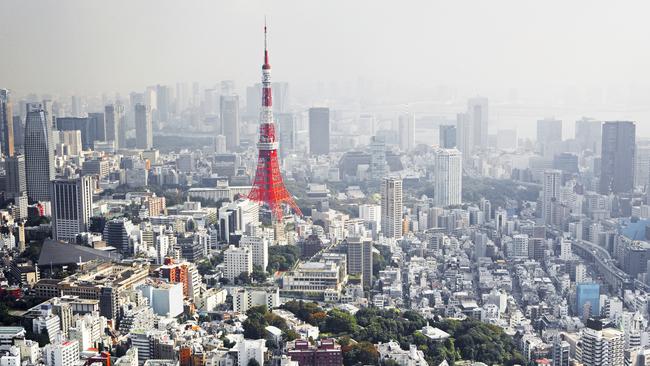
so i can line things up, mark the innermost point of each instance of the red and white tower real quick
(268, 187)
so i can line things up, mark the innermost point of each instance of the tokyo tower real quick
(268, 187)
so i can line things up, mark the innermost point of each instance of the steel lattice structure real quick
(268, 186)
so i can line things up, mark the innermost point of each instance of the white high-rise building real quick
(448, 177)
(237, 261)
(246, 298)
(391, 207)
(72, 205)
(406, 127)
(162, 248)
(370, 213)
(259, 248)
(550, 193)
(601, 346)
(249, 349)
(565, 250)
(519, 247)
(61, 353)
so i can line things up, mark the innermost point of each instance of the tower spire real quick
(266, 50)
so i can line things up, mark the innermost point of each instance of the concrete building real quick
(237, 261)
(259, 248)
(143, 127)
(359, 259)
(448, 177)
(618, 157)
(245, 298)
(72, 205)
(391, 207)
(406, 126)
(319, 131)
(166, 299)
(229, 117)
(550, 193)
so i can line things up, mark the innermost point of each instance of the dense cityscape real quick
(205, 224)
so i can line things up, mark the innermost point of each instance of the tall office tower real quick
(287, 131)
(253, 96)
(98, 121)
(601, 346)
(72, 204)
(477, 110)
(220, 144)
(550, 193)
(378, 163)
(229, 117)
(17, 183)
(268, 186)
(549, 131)
(588, 134)
(617, 158)
(359, 258)
(391, 207)
(319, 131)
(642, 163)
(163, 99)
(19, 134)
(115, 126)
(75, 106)
(143, 127)
(6, 123)
(85, 125)
(448, 177)
(39, 154)
(447, 136)
(406, 126)
(48, 108)
(464, 137)
(280, 97)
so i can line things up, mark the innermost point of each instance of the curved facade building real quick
(39, 158)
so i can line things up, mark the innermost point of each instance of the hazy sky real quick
(88, 46)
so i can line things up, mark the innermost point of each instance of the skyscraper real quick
(464, 136)
(17, 183)
(319, 131)
(448, 177)
(99, 125)
(84, 124)
(406, 124)
(477, 110)
(588, 134)
(163, 101)
(6, 123)
(72, 201)
(287, 131)
(115, 129)
(378, 163)
(391, 207)
(39, 155)
(601, 346)
(447, 136)
(550, 193)
(229, 112)
(143, 127)
(549, 131)
(359, 257)
(617, 158)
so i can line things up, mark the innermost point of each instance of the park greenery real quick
(282, 257)
(469, 339)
